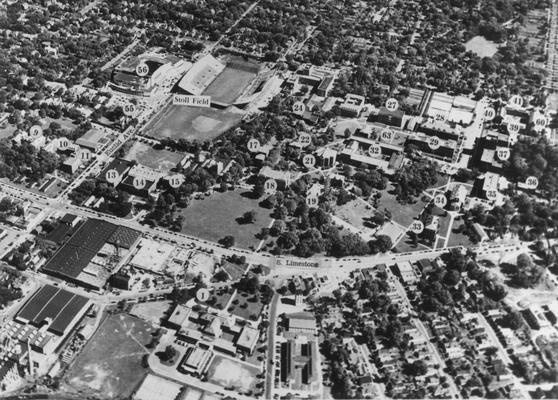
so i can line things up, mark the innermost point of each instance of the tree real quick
(249, 217)
(169, 354)
(227, 241)
(383, 243)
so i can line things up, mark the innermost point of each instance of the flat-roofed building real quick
(302, 322)
(299, 372)
(248, 339)
(196, 360)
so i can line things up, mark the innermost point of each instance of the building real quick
(94, 139)
(299, 366)
(480, 232)
(407, 272)
(71, 165)
(119, 165)
(352, 106)
(37, 331)
(457, 197)
(283, 178)
(196, 360)
(431, 228)
(386, 117)
(303, 322)
(248, 339)
(326, 157)
(148, 176)
(125, 79)
(91, 253)
(151, 255)
(325, 86)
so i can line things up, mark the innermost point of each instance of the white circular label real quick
(142, 69)
(516, 101)
(540, 122)
(489, 114)
(491, 194)
(392, 104)
(35, 131)
(63, 143)
(434, 142)
(532, 182)
(202, 295)
(112, 176)
(439, 117)
(387, 135)
(308, 160)
(175, 181)
(84, 155)
(129, 109)
(416, 227)
(253, 145)
(440, 200)
(513, 127)
(270, 186)
(139, 182)
(305, 139)
(299, 108)
(503, 153)
(312, 201)
(375, 150)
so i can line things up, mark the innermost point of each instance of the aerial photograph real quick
(278, 199)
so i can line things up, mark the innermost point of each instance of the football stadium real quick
(89, 256)
(232, 84)
(227, 82)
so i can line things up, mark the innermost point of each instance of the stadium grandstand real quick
(200, 76)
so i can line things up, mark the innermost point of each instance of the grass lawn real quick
(458, 239)
(218, 215)
(229, 85)
(354, 212)
(230, 374)
(245, 307)
(403, 214)
(160, 160)
(481, 47)
(192, 123)
(65, 123)
(151, 311)
(220, 298)
(110, 363)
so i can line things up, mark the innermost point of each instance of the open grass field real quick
(160, 160)
(245, 307)
(458, 239)
(216, 216)
(229, 85)
(110, 364)
(355, 213)
(481, 47)
(192, 123)
(151, 311)
(403, 214)
(228, 373)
